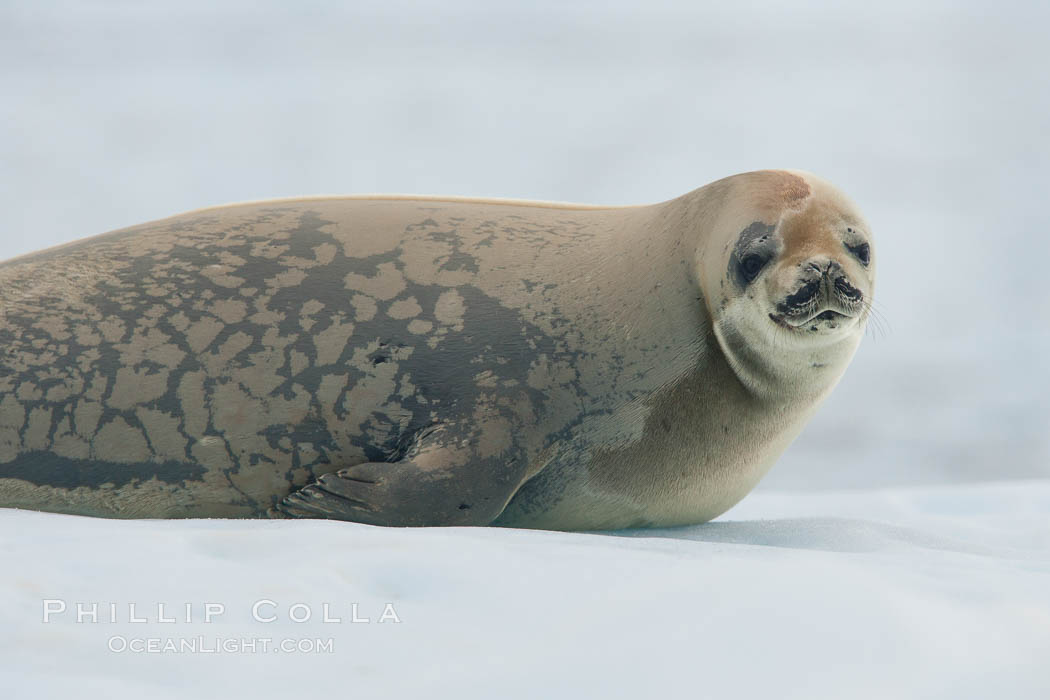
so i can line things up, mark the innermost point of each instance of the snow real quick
(907, 592)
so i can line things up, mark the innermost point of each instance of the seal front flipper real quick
(429, 490)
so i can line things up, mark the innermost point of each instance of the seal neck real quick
(786, 374)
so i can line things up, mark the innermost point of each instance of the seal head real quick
(790, 290)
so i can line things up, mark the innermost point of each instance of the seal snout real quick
(825, 294)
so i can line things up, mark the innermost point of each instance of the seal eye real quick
(862, 251)
(751, 265)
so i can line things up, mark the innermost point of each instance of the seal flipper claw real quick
(311, 501)
(400, 494)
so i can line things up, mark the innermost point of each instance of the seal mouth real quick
(829, 317)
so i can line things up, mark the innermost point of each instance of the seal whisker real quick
(879, 322)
